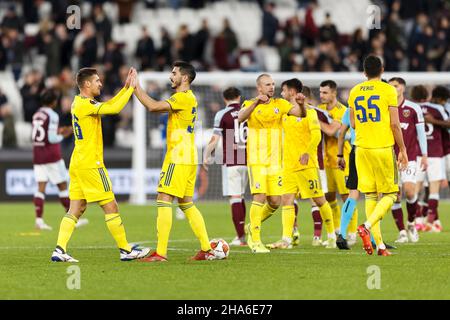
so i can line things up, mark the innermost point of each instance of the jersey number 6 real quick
(372, 109)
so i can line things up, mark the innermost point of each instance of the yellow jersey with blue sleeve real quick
(89, 179)
(374, 140)
(331, 143)
(179, 170)
(265, 132)
(301, 135)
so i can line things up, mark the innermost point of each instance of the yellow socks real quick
(267, 212)
(288, 218)
(327, 217)
(117, 230)
(353, 222)
(197, 224)
(163, 226)
(382, 207)
(255, 220)
(65, 230)
(336, 209)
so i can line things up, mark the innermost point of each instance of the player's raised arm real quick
(330, 129)
(151, 104)
(398, 136)
(245, 113)
(298, 106)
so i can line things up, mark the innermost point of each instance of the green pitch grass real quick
(416, 271)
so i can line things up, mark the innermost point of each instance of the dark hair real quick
(231, 93)
(419, 93)
(440, 93)
(329, 83)
(306, 91)
(293, 83)
(373, 66)
(399, 80)
(84, 74)
(48, 97)
(186, 69)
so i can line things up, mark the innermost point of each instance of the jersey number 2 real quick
(372, 112)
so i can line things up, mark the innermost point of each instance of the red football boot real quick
(384, 252)
(204, 255)
(365, 236)
(154, 257)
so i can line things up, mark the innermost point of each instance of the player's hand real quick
(341, 163)
(300, 98)
(262, 98)
(304, 159)
(128, 80)
(428, 117)
(402, 160)
(424, 163)
(134, 79)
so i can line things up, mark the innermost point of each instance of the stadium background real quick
(37, 50)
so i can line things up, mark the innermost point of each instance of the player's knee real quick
(319, 201)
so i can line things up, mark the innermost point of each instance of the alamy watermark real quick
(374, 277)
(74, 17)
(74, 279)
(374, 19)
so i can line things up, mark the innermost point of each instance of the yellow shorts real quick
(336, 179)
(92, 185)
(178, 180)
(377, 170)
(304, 182)
(264, 179)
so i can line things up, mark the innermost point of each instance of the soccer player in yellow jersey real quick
(374, 116)
(179, 169)
(89, 180)
(301, 138)
(336, 178)
(264, 114)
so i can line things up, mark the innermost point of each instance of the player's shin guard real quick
(397, 213)
(288, 218)
(370, 204)
(327, 218)
(64, 199)
(382, 207)
(163, 226)
(197, 224)
(336, 209)
(255, 220)
(65, 230)
(39, 200)
(117, 230)
(267, 212)
(411, 207)
(347, 215)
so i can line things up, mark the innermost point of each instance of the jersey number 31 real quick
(372, 112)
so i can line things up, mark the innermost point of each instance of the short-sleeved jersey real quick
(87, 128)
(370, 101)
(45, 124)
(346, 121)
(410, 114)
(434, 133)
(296, 138)
(233, 134)
(180, 129)
(331, 143)
(323, 116)
(265, 132)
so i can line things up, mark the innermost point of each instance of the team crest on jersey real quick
(257, 185)
(277, 111)
(93, 102)
(406, 113)
(299, 119)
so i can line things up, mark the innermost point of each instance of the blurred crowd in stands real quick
(414, 36)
